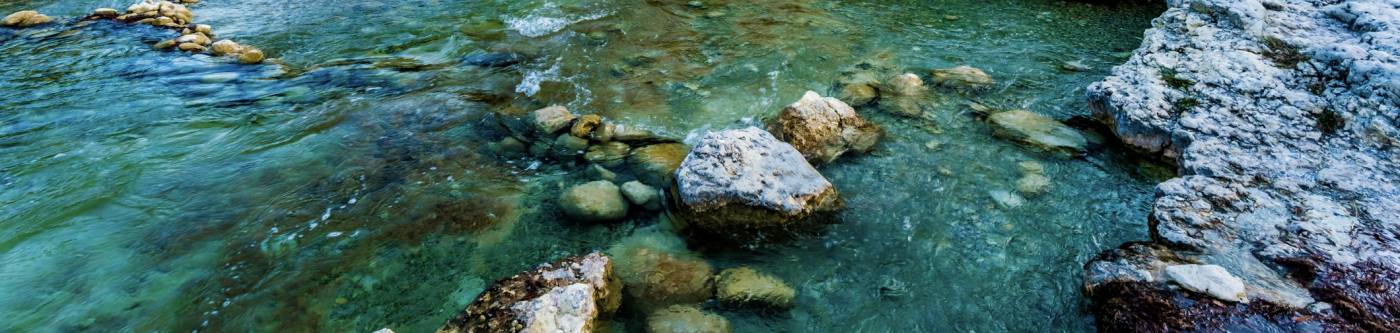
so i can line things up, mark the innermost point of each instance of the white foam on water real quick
(546, 20)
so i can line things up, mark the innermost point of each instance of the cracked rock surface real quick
(1282, 117)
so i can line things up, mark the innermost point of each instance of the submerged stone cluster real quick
(196, 38)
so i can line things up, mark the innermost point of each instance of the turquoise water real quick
(350, 188)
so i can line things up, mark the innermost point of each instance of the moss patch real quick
(1174, 80)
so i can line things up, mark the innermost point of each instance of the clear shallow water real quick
(351, 190)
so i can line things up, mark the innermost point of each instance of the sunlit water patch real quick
(350, 188)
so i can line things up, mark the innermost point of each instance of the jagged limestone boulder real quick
(1038, 131)
(572, 295)
(745, 185)
(824, 128)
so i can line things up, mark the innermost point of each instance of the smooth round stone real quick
(595, 201)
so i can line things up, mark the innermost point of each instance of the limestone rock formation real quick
(824, 128)
(1282, 117)
(745, 185)
(571, 295)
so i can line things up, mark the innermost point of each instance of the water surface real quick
(350, 188)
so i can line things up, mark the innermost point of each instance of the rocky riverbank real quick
(1282, 118)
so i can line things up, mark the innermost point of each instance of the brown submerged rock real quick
(660, 271)
(572, 295)
(824, 128)
(656, 164)
(686, 319)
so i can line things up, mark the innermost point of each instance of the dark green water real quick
(351, 189)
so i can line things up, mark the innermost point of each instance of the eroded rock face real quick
(745, 185)
(824, 128)
(570, 295)
(1277, 113)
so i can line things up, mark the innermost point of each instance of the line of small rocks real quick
(194, 38)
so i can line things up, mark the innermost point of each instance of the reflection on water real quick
(350, 189)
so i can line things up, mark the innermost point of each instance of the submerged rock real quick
(1033, 180)
(656, 164)
(1039, 131)
(495, 59)
(686, 319)
(584, 125)
(824, 128)
(659, 271)
(571, 295)
(745, 185)
(25, 18)
(907, 84)
(962, 78)
(1265, 107)
(859, 94)
(594, 201)
(744, 286)
(642, 195)
(609, 154)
